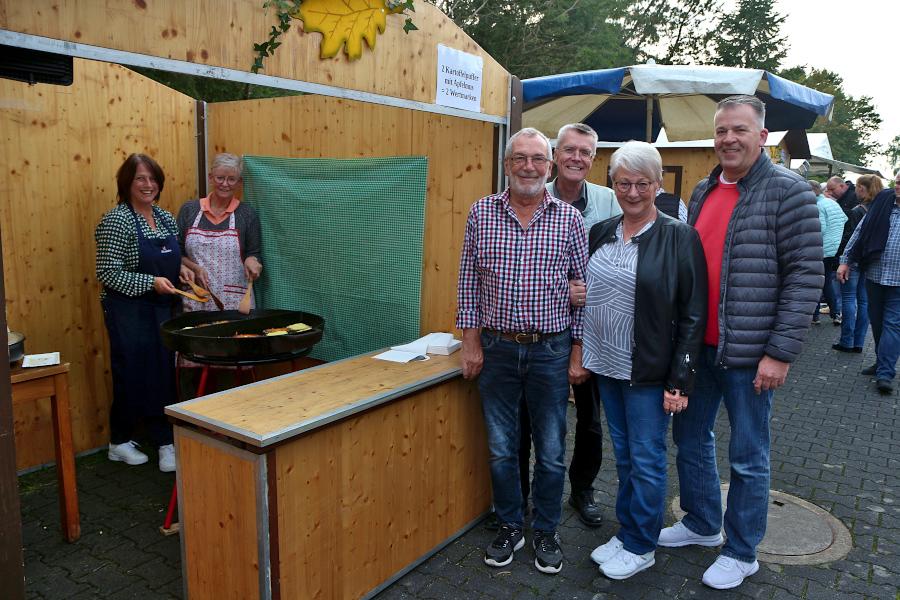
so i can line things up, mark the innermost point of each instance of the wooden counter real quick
(330, 482)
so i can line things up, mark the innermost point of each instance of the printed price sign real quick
(459, 77)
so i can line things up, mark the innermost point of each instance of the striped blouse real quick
(117, 249)
(609, 311)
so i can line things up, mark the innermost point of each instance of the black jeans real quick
(588, 452)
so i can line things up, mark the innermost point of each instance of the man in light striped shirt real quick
(522, 336)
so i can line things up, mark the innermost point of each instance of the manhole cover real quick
(798, 532)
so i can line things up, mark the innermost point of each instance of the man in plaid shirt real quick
(875, 246)
(523, 336)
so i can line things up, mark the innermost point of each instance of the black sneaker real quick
(508, 540)
(868, 370)
(548, 556)
(885, 386)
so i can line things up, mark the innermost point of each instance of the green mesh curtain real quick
(342, 239)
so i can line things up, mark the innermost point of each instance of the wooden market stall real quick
(61, 147)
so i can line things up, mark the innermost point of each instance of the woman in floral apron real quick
(220, 237)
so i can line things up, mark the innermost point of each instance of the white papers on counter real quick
(399, 356)
(41, 360)
(433, 343)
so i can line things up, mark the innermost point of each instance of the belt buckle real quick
(528, 338)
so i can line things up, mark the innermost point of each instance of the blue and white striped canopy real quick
(681, 98)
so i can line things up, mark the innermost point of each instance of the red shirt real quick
(712, 225)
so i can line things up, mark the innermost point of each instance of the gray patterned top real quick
(609, 311)
(117, 249)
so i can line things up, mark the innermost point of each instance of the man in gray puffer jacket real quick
(760, 230)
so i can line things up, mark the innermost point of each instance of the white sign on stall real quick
(459, 77)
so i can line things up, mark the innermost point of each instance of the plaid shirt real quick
(513, 279)
(885, 270)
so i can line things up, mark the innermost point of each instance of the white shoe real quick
(603, 553)
(678, 535)
(167, 458)
(727, 573)
(625, 564)
(126, 453)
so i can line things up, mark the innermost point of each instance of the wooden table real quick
(327, 483)
(53, 382)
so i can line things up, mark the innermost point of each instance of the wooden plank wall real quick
(460, 165)
(59, 151)
(212, 32)
(360, 499)
(696, 163)
(218, 511)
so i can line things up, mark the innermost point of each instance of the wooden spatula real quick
(205, 293)
(244, 306)
(198, 290)
(193, 297)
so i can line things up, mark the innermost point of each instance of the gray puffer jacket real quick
(772, 273)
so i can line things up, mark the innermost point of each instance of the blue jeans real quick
(748, 452)
(855, 305)
(539, 372)
(637, 428)
(830, 292)
(884, 312)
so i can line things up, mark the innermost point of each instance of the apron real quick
(219, 252)
(143, 369)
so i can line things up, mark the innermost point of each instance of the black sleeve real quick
(251, 232)
(184, 221)
(692, 300)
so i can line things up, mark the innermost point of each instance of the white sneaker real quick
(727, 573)
(625, 564)
(678, 535)
(167, 458)
(127, 453)
(603, 553)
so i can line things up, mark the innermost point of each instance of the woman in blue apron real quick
(138, 260)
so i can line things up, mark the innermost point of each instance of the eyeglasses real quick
(229, 180)
(573, 151)
(520, 160)
(641, 186)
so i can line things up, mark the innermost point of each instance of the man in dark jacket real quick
(760, 230)
(843, 193)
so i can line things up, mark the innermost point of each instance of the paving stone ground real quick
(835, 443)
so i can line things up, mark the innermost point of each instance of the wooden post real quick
(12, 567)
(201, 148)
(516, 104)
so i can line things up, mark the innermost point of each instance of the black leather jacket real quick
(669, 303)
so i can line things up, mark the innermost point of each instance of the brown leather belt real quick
(523, 337)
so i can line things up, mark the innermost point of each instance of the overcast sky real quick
(854, 39)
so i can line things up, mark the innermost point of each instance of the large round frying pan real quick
(216, 343)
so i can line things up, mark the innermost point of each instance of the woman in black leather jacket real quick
(645, 316)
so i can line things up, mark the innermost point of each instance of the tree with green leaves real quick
(852, 130)
(531, 38)
(668, 31)
(751, 37)
(892, 152)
